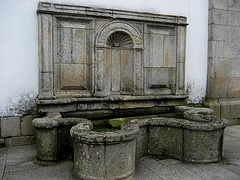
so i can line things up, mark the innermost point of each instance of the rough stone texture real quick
(47, 144)
(10, 126)
(166, 141)
(2, 142)
(87, 52)
(224, 58)
(46, 122)
(53, 135)
(21, 140)
(203, 147)
(142, 142)
(183, 108)
(107, 155)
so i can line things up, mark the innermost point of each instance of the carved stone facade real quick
(87, 52)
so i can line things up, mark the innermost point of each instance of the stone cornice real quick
(51, 8)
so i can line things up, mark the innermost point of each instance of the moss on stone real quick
(117, 122)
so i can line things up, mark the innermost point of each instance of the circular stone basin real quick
(104, 155)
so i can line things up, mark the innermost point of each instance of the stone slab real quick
(18, 141)
(211, 171)
(230, 108)
(10, 126)
(233, 168)
(142, 172)
(176, 171)
(26, 125)
(61, 172)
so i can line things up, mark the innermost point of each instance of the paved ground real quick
(16, 163)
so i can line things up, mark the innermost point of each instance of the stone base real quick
(226, 108)
(17, 130)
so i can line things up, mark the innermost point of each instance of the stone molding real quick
(75, 61)
(50, 8)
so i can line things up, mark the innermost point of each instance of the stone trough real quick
(198, 138)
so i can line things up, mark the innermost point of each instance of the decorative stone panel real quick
(86, 52)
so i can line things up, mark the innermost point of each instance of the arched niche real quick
(118, 65)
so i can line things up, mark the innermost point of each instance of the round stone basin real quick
(104, 155)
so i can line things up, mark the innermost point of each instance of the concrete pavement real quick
(17, 163)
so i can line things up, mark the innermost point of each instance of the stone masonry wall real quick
(223, 85)
(15, 131)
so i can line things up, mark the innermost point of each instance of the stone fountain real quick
(102, 63)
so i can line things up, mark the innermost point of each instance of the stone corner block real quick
(10, 126)
(26, 125)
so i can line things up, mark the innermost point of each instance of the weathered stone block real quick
(10, 126)
(219, 33)
(203, 146)
(218, 16)
(234, 88)
(230, 108)
(214, 105)
(26, 125)
(233, 18)
(234, 5)
(136, 104)
(232, 50)
(217, 87)
(215, 49)
(18, 141)
(166, 141)
(218, 4)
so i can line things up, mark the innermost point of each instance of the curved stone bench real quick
(104, 155)
(111, 155)
(182, 139)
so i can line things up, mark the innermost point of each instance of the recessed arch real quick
(119, 39)
(118, 26)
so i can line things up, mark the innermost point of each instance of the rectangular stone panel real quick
(71, 41)
(161, 47)
(160, 77)
(233, 18)
(45, 42)
(116, 71)
(217, 16)
(71, 76)
(234, 87)
(46, 85)
(232, 50)
(127, 72)
(217, 87)
(230, 108)
(10, 126)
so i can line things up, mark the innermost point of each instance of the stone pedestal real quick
(47, 138)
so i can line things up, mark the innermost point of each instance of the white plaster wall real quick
(19, 45)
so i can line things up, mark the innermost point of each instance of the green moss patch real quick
(172, 115)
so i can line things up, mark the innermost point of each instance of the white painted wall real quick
(19, 45)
